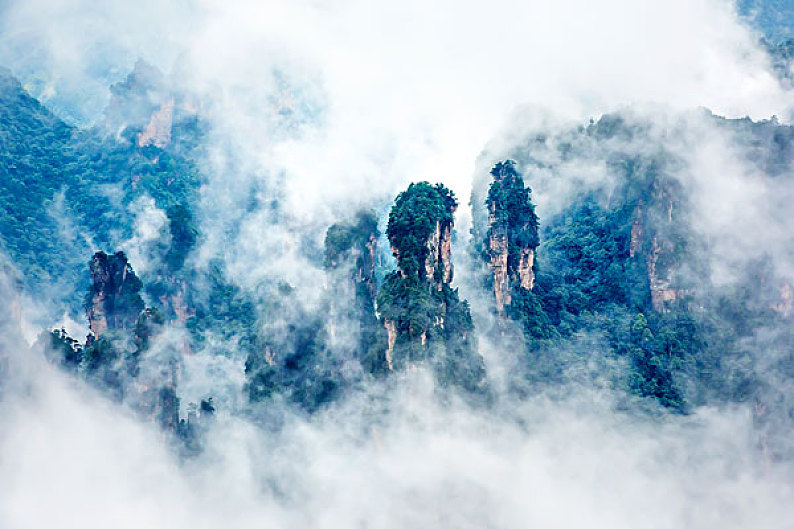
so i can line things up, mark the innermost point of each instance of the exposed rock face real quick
(420, 233)
(175, 300)
(432, 250)
(497, 250)
(655, 241)
(180, 306)
(425, 320)
(350, 259)
(357, 243)
(365, 265)
(439, 255)
(661, 293)
(512, 234)
(158, 131)
(526, 268)
(270, 356)
(391, 330)
(149, 102)
(506, 277)
(134, 100)
(113, 302)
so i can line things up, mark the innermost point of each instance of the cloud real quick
(413, 91)
(404, 462)
(326, 106)
(323, 106)
(407, 91)
(149, 229)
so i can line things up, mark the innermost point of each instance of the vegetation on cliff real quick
(61, 187)
(417, 213)
(426, 319)
(590, 280)
(620, 265)
(513, 212)
(615, 269)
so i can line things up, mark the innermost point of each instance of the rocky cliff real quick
(424, 318)
(420, 233)
(127, 356)
(113, 301)
(512, 236)
(152, 105)
(350, 260)
(136, 98)
(438, 263)
(158, 131)
(656, 241)
(354, 244)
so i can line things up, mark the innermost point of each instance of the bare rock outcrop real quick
(424, 318)
(659, 249)
(512, 236)
(114, 300)
(350, 259)
(158, 131)
(497, 249)
(391, 331)
(439, 255)
(661, 292)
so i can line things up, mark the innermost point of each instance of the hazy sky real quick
(382, 94)
(398, 92)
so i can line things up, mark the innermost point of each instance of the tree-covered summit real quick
(513, 213)
(418, 212)
(425, 318)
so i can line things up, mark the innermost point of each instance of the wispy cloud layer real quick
(325, 106)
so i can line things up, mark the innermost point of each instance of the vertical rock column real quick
(113, 301)
(512, 236)
(425, 320)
